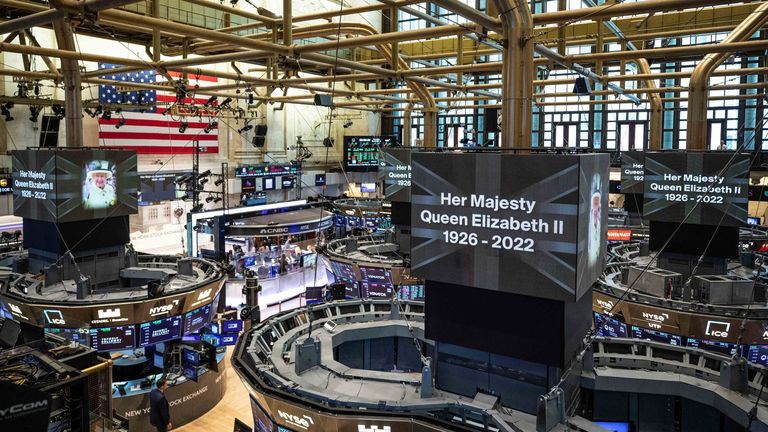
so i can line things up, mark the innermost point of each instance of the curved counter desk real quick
(188, 399)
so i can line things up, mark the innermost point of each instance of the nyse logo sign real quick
(362, 428)
(303, 422)
(655, 321)
(164, 309)
(717, 329)
(606, 305)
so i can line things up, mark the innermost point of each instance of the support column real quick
(287, 22)
(517, 73)
(156, 32)
(73, 103)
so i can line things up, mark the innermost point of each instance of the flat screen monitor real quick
(288, 182)
(161, 330)
(314, 293)
(231, 326)
(157, 187)
(249, 261)
(320, 179)
(368, 187)
(196, 319)
(753, 220)
(113, 338)
(248, 184)
(9, 333)
(211, 338)
(656, 336)
(758, 354)
(614, 426)
(609, 327)
(268, 183)
(71, 334)
(411, 292)
(190, 372)
(190, 357)
(375, 282)
(362, 153)
(261, 421)
(308, 259)
(724, 348)
(158, 360)
(228, 339)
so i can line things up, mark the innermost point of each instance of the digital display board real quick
(74, 185)
(529, 224)
(160, 330)
(724, 348)
(158, 187)
(261, 421)
(320, 179)
(228, 339)
(411, 292)
(632, 171)
(707, 188)
(230, 326)
(248, 184)
(758, 354)
(368, 187)
(267, 170)
(196, 319)
(6, 183)
(609, 327)
(190, 372)
(395, 171)
(656, 336)
(190, 357)
(361, 153)
(375, 282)
(113, 338)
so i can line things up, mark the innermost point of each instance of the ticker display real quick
(696, 188)
(632, 171)
(610, 327)
(267, 170)
(74, 185)
(528, 224)
(197, 319)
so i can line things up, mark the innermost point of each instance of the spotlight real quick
(120, 123)
(218, 182)
(107, 115)
(183, 127)
(250, 98)
(34, 113)
(196, 228)
(22, 89)
(209, 199)
(197, 208)
(203, 182)
(37, 88)
(58, 110)
(347, 124)
(233, 2)
(204, 174)
(211, 126)
(181, 92)
(226, 103)
(89, 112)
(245, 128)
(165, 111)
(217, 200)
(183, 179)
(211, 100)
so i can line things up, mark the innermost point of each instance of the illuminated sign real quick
(619, 234)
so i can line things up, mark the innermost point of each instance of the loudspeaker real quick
(260, 130)
(323, 100)
(83, 286)
(258, 141)
(582, 87)
(338, 291)
(491, 120)
(328, 142)
(49, 131)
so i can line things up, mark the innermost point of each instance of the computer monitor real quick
(9, 333)
(753, 220)
(368, 187)
(231, 326)
(190, 372)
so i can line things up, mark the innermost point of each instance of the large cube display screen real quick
(74, 185)
(376, 282)
(529, 224)
(696, 188)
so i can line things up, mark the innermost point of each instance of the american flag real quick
(150, 132)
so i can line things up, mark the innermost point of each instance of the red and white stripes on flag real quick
(151, 132)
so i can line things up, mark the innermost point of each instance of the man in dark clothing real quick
(159, 416)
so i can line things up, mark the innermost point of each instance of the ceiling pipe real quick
(33, 20)
(698, 128)
(471, 13)
(612, 10)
